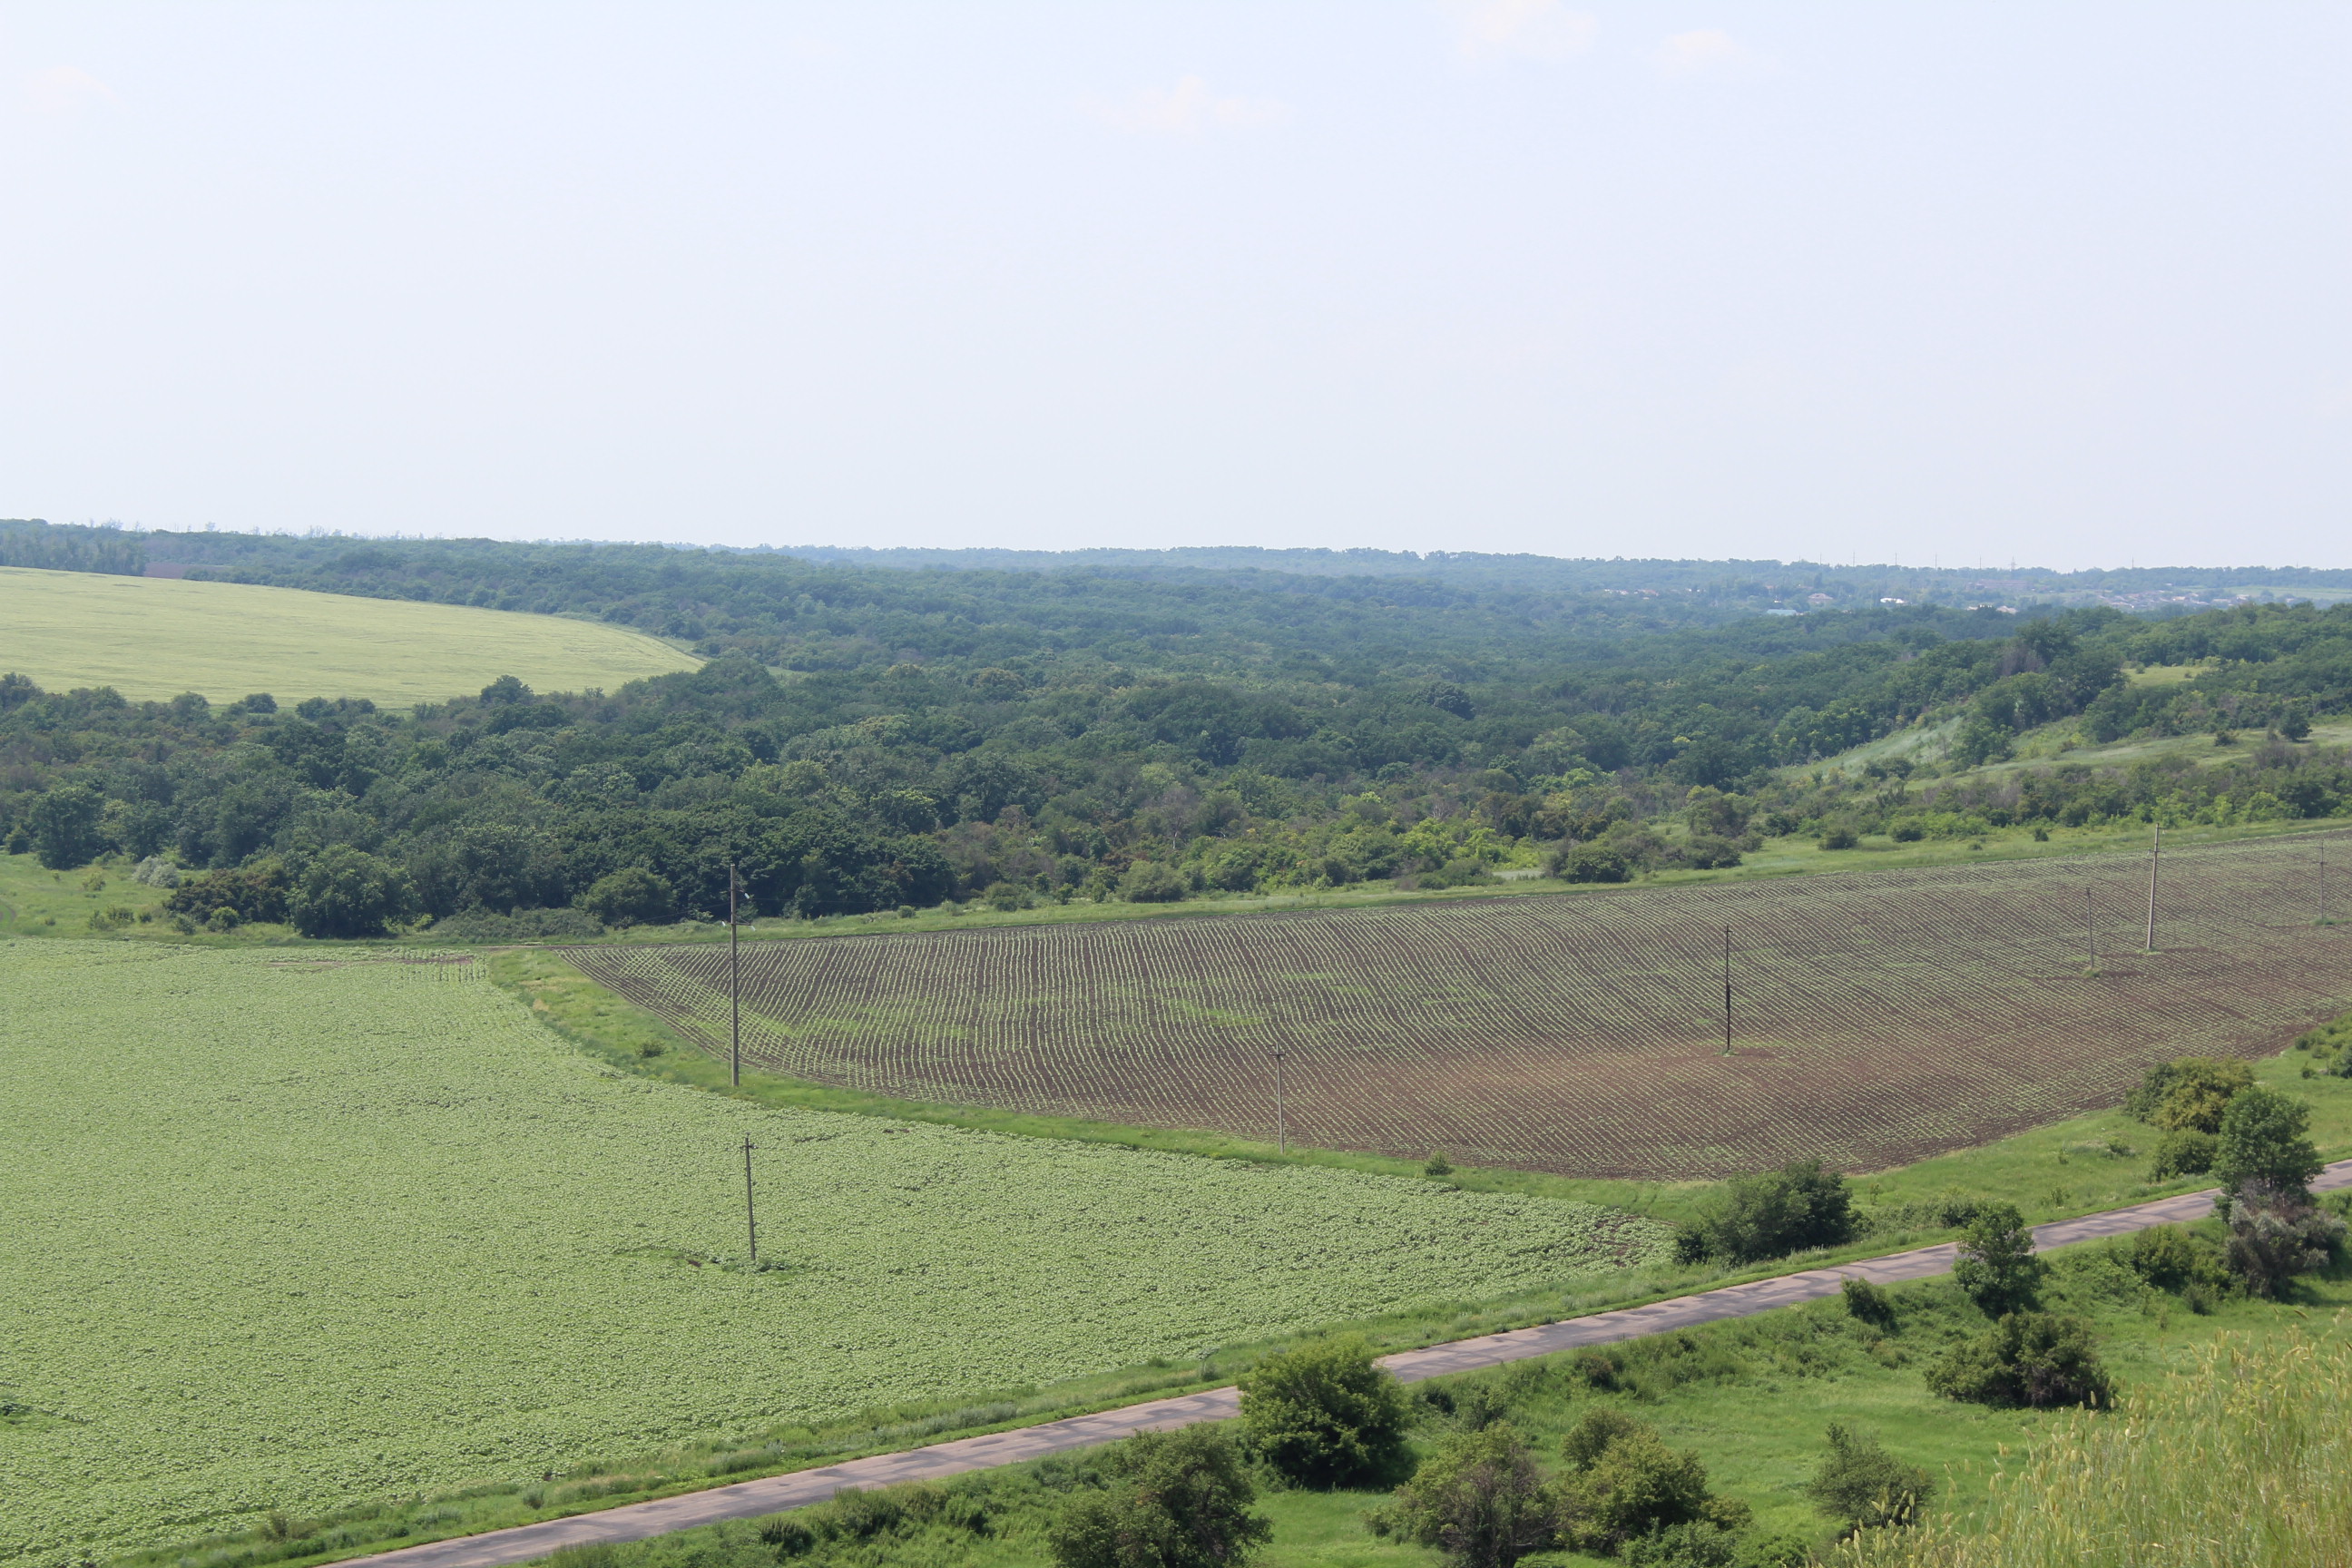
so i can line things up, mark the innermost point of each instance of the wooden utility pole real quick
(735, 1003)
(2155, 860)
(751, 1219)
(1727, 991)
(1281, 1127)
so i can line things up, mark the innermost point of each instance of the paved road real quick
(773, 1494)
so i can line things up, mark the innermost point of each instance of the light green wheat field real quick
(305, 1232)
(151, 638)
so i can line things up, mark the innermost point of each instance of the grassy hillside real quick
(2065, 741)
(151, 638)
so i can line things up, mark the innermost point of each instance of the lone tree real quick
(2261, 1139)
(1863, 1487)
(65, 831)
(2275, 1233)
(1324, 1415)
(1997, 1269)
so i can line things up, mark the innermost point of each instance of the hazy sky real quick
(2069, 283)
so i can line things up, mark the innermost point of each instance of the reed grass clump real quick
(2236, 1463)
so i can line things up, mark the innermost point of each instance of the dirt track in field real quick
(1877, 1017)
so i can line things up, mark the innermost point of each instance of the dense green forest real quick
(870, 736)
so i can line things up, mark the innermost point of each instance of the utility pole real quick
(1281, 1126)
(2155, 860)
(750, 1220)
(1727, 991)
(735, 1003)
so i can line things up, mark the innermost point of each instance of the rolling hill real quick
(150, 638)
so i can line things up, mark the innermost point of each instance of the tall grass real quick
(2237, 1463)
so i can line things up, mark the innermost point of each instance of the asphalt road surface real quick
(774, 1494)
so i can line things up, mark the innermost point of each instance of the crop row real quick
(1875, 1017)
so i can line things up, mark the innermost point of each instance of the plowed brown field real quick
(1878, 1017)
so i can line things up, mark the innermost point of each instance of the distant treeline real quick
(53, 547)
(1022, 736)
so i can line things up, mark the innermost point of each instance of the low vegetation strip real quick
(151, 639)
(2236, 1460)
(1877, 1018)
(319, 1230)
(753, 1500)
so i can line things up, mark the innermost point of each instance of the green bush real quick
(2261, 1139)
(2028, 1360)
(586, 1554)
(2188, 1093)
(522, 925)
(1996, 1269)
(1709, 852)
(2277, 1233)
(348, 892)
(632, 896)
(1591, 1437)
(2170, 1258)
(1623, 1483)
(1695, 1545)
(1179, 1500)
(1863, 1487)
(1478, 1499)
(1149, 882)
(1799, 1206)
(1324, 1414)
(255, 891)
(1590, 863)
(1006, 896)
(2187, 1152)
(1840, 838)
(1866, 1303)
(66, 832)
(861, 1515)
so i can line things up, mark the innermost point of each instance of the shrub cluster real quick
(2028, 1360)
(1797, 1207)
(1324, 1414)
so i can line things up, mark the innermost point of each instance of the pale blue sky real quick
(2066, 283)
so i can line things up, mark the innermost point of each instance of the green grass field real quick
(319, 1227)
(151, 638)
